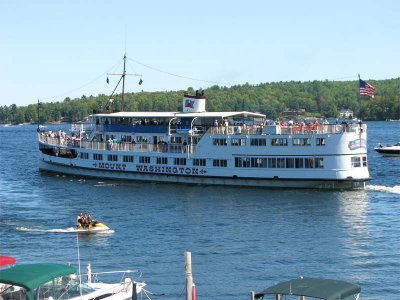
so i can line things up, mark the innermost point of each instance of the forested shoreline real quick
(315, 98)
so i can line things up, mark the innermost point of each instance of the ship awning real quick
(143, 114)
(223, 115)
(328, 289)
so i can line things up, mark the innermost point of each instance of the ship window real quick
(195, 140)
(238, 142)
(280, 162)
(258, 142)
(144, 159)
(112, 157)
(97, 156)
(199, 162)
(180, 161)
(297, 142)
(84, 155)
(304, 141)
(220, 142)
(319, 162)
(272, 162)
(258, 162)
(242, 162)
(355, 162)
(309, 163)
(176, 140)
(320, 141)
(279, 142)
(364, 161)
(128, 158)
(220, 163)
(162, 160)
(290, 163)
(299, 163)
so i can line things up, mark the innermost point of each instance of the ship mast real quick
(123, 83)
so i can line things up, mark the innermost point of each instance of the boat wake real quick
(387, 189)
(65, 230)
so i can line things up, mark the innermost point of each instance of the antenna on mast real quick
(123, 83)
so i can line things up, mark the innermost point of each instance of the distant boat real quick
(312, 288)
(389, 150)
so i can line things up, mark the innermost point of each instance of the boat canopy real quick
(31, 276)
(143, 114)
(328, 289)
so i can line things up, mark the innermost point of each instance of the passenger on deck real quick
(110, 144)
(184, 148)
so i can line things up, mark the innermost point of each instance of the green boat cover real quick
(31, 276)
(328, 289)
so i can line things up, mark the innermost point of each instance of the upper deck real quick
(85, 137)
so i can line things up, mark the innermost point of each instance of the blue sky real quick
(55, 49)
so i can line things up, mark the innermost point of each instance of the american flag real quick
(189, 103)
(366, 89)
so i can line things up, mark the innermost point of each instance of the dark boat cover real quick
(328, 289)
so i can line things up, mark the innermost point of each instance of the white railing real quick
(128, 147)
(284, 129)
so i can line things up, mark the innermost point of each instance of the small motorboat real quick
(93, 227)
(311, 288)
(85, 224)
(389, 150)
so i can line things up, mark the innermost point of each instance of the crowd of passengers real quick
(240, 127)
(61, 136)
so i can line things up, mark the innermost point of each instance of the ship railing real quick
(139, 147)
(284, 129)
(121, 146)
(314, 129)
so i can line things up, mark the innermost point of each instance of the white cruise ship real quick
(212, 148)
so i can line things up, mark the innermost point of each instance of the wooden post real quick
(189, 278)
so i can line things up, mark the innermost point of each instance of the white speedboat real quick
(389, 150)
(42, 281)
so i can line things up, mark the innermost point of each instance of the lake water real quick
(241, 239)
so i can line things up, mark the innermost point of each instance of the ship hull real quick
(306, 183)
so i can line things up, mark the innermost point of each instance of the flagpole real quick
(38, 115)
(359, 97)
